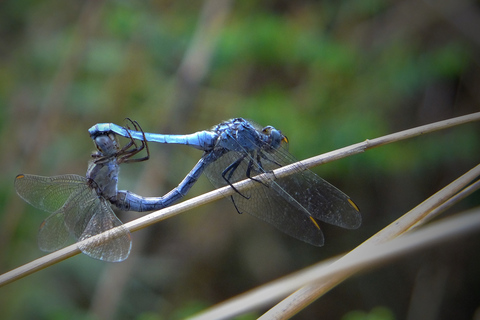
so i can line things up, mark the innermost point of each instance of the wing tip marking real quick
(314, 222)
(353, 204)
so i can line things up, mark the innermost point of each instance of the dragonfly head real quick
(107, 144)
(275, 137)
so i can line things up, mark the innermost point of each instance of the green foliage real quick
(327, 73)
(377, 313)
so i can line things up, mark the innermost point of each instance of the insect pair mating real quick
(233, 150)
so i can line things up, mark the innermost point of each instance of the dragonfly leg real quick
(235, 205)
(125, 154)
(249, 170)
(263, 156)
(132, 141)
(230, 170)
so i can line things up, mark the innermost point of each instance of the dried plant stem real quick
(384, 245)
(367, 259)
(321, 277)
(157, 216)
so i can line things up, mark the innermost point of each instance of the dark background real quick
(327, 73)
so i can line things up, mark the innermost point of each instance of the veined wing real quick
(320, 198)
(68, 196)
(289, 203)
(264, 201)
(53, 234)
(87, 215)
(48, 193)
(78, 210)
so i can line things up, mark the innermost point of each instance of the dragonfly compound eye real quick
(275, 137)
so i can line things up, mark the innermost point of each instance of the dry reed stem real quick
(160, 215)
(323, 276)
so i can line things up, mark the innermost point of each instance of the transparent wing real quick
(288, 203)
(264, 202)
(87, 215)
(321, 199)
(53, 234)
(115, 246)
(48, 193)
(79, 210)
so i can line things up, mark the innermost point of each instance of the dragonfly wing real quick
(320, 199)
(50, 194)
(115, 245)
(79, 209)
(270, 205)
(53, 234)
(47, 193)
(293, 203)
(324, 201)
(265, 201)
(87, 215)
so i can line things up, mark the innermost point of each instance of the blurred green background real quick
(327, 73)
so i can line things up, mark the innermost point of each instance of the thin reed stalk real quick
(160, 215)
(387, 244)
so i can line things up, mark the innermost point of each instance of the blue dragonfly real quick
(238, 149)
(80, 205)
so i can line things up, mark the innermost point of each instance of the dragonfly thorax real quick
(105, 177)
